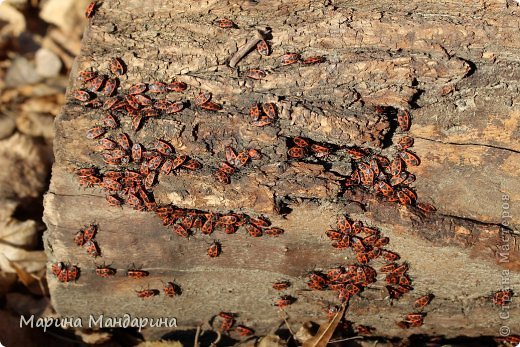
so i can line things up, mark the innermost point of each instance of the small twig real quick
(197, 333)
(41, 285)
(217, 340)
(346, 339)
(242, 52)
(286, 322)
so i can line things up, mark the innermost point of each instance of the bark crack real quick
(468, 144)
(477, 222)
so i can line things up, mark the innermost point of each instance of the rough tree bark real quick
(454, 64)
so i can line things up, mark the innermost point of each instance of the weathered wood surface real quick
(454, 63)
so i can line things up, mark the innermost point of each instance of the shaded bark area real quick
(454, 65)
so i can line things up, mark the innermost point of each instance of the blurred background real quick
(39, 40)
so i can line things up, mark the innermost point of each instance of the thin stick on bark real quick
(284, 317)
(250, 45)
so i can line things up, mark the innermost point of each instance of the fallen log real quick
(378, 62)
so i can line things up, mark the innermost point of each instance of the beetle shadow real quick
(391, 114)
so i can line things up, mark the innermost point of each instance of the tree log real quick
(453, 65)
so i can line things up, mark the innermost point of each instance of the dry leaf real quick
(25, 277)
(324, 334)
(68, 15)
(14, 232)
(271, 341)
(15, 20)
(26, 167)
(93, 337)
(31, 261)
(304, 333)
(35, 284)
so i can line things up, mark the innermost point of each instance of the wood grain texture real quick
(455, 64)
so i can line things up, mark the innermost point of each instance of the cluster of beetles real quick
(134, 168)
(368, 245)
